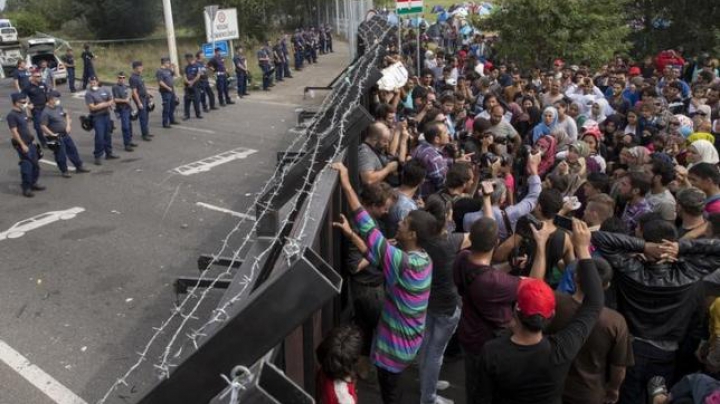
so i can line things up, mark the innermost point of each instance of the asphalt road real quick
(80, 296)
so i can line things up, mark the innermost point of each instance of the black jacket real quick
(658, 299)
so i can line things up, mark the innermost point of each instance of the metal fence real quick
(296, 293)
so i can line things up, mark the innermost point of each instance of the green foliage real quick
(537, 31)
(27, 23)
(113, 19)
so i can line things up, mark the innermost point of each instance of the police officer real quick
(192, 84)
(286, 57)
(298, 50)
(218, 64)
(309, 45)
(36, 91)
(241, 71)
(164, 77)
(142, 99)
(68, 60)
(21, 76)
(279, 61)
(100, 102)
(263, 58)
(57, 125)
(88, 68)
(207, 96)
(24, 143)
(322, 40)
(328, 38)
(123, 110)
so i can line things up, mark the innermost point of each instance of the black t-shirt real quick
(463, 206)
(18, 119)
(37, 95)
(442, 250)
(535, 374)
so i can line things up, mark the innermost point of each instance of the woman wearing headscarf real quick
(547, 146)
(546, 126)
(635, 158)
(701, 116)
(563, 141)
(701, 151)
(575, 110)
(600, 110)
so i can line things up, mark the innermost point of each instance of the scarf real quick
(543, 129)
(548, 158)
(707, 152)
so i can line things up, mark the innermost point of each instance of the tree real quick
(538, 31)
(114, 19)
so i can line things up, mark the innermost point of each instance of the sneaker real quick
(443, 400)
(98, 161)
(38, 187)
(128, 148)
(81, 170)
(111, 157)
(133, 144)
(66, 175)
(28, 193)
(442, 385)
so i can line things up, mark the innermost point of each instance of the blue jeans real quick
(286, 67)
(144, 118)
(649, 361)
(124, 117)
(103, 138)
(168, 107)
(279, 70)
(36, 112)
(242, 83)
(71, 78)
(298, 59)
(67, 150)
(438, 331)
(266, 76)
(29, 166)
(696, 386)
(222, 89)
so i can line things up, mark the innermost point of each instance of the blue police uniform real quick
(207, 96)
(69, 61)
(279, 63)
(221, 80)
(123, 112)
(29, 166)
(101, 122)
(286, 57)
(168, 96)
(298, 49)
(37, 94)
(23, 78)
(240, 63)
(328, 39)
(137, 83)
(55, 118)
(192, 93)
(88, 68)
(265, 66)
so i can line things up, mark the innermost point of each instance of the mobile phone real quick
(563, 222)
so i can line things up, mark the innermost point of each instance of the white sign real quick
(223, 27)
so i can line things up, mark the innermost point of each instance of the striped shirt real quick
(400, 330)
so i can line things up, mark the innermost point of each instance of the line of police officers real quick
(38, 102)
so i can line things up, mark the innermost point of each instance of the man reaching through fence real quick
(407, 270)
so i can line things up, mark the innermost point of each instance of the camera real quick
(523, 228)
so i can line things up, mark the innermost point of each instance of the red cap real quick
(634, 71)
(535, 297)
(558, 62)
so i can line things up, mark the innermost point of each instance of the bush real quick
(27, 24)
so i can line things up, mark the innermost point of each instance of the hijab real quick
(640, 155)
(543, 129)
(605, 110)
(548, 158)
(707, 152)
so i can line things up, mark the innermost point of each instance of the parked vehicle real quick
(40, 49)
(8, 35)
(9, 56)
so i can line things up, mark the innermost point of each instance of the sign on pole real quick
(405, 7)
(223, 27)
(209, 49)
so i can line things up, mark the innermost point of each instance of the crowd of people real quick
(36, 100)
(559, 223)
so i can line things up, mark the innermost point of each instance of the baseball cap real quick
(634, 71)
(535, 297)
(15, 97)
(54, 94)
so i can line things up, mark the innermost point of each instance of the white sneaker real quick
(443, 400)
(442, 385)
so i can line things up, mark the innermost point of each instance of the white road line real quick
(191, 129)
(52, 163)
(20, 228)
(37, 377)
(223, 210)
(280, 104)
(208, 163)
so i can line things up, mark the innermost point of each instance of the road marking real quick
(223, 210)
(280, 104)
(20, 228)
(209, 163)
(52, 163)
(79, 95)
(37, 377)
(191, 129)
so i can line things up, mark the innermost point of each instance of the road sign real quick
(209, 51)
(224, 26)
(405, 7)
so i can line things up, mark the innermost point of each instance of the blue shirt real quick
(37, 93)
(96, 97)
(219, 64)
(137, 83)
(121, 91)
(166, 76)
(191, 71)
(18, 119)
(23, 78)
(54, 118)
(240, 64)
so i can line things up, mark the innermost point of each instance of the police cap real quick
(54, 94)
(15, 97)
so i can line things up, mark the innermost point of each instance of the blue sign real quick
(209, 51)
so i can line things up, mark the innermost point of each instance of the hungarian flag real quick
(409, 6)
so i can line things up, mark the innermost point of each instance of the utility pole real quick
(170, 28)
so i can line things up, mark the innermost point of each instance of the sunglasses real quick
(121, 77)
(701, 114)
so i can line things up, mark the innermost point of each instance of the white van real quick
(44, 49)
(5, 23)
